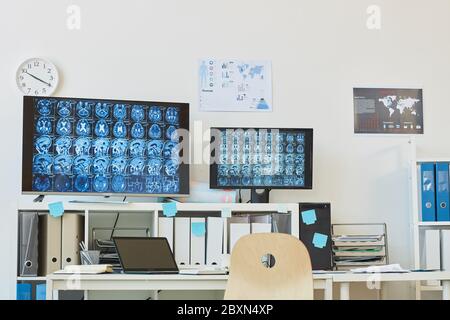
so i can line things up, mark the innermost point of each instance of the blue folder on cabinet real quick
(428, 194)
(442, 191)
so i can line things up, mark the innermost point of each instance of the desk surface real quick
(407, 276)
(150, 277)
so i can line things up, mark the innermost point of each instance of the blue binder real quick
(428, 191)
(23, 291)
(442, 191)
(40, 291)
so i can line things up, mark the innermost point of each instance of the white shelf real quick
(433, 223)
(31, 278)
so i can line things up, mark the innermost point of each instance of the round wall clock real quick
(37, 77)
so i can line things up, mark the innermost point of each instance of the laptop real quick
(145, 255)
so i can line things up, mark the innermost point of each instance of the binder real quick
(321, 258)
(49, 244)
(165, 229)
(281, 223)
(182, 240)
(40, 291)
(428, 191)
(214, 241)
(28, 244)
(442, 191)
(238, 230)
(198, 243)
(432, 253)
(72, 235)
(24, 291)
(445, 249)
(261, 227)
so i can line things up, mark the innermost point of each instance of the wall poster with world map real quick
(387, 110)
(235, 85)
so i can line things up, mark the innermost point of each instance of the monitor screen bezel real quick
(213, 183)
(28, 146)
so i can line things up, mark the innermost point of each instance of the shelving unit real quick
(417, 224)
(154, 210)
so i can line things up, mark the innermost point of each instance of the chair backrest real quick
(290, 278)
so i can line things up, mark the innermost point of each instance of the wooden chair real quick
(290, 278)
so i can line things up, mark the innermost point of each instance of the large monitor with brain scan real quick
(106, 147)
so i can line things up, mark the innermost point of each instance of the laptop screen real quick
(145, 254)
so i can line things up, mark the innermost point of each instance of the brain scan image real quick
(260, 157)
(97, 146)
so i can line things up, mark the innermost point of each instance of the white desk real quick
(135, 282)
(344, 280)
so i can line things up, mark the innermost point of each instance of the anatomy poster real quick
(235, 85)
(388, 110)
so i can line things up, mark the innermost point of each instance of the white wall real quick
(320, 49)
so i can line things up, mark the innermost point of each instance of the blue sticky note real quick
(309, 217)
(56, 209)
(282, 208)
(169, 209)
(198, 229)
(320, 240)
(226, 213)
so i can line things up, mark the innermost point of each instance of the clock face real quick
(37, 77)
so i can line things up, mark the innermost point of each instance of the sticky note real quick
(56, 209)
(169, 209)
(226, 213)
(320, 240)
(198, 229)
(282, 208)
(309, 217)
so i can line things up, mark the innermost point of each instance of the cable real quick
(114, 226)
(240, 196)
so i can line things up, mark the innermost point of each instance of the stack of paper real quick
(86, 269)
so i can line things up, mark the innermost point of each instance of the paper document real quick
(390, 268)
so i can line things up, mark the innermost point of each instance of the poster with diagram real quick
(235, 85)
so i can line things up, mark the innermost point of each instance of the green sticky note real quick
(309, 217)
(169, 209)
(226, 213)
(56, 209)
(198, 229)
(320, 240)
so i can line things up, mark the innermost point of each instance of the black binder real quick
(321, 258)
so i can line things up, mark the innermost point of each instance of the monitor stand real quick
(259, 195)
(105, 201)
(39, 198)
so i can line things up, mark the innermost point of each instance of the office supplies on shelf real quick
(198, 241)
(238, 230)
(445, 250)
(86, 269)
(214, 241)
(90, 256)
(145, 255)
(359, 244)
(24, 291)
(40, 291)
(28, 244)
(165, 229)
(72, 234)
(203, 270)
(182, 240)
(281, 223)
(442, 192)
(316, 219)
(49, 244)
(432, 253)
(390, 268)
(428, 192)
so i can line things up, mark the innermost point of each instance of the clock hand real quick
(33, 76)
